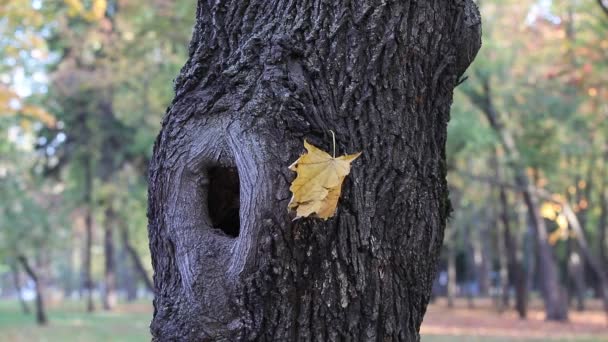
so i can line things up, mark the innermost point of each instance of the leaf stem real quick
(333, 136)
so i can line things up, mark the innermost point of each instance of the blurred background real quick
(84, 85)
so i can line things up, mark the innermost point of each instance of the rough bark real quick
(41, 317)
(262, 76)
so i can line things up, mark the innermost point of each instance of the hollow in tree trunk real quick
(229, 261)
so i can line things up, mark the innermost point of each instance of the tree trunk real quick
(131, 284)
(452, 281)
(556, 307)
(482, 257)
(17, 284)
(576, 274)
(88, 244)
(603, 220)
(41, 318)
(583, 246)
(230, 263)
(553, 294)
(603, 227)
(470, 271)
(137, 263)
(503, 285)
(516, 273)
(109, 295)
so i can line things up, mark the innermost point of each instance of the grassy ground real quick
(129, 323)
(70, 323)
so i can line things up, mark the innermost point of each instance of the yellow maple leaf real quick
(318, 184)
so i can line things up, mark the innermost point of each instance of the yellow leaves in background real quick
(20, 12)
(6, 96)
(12, 105)
(95, 13)
(553, 212)
(549, 211)
(559, 234)
(317, 187)
(38, 113)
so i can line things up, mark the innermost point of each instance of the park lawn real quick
(129, 323)
(70, 323)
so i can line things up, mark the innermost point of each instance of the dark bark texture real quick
(262, 76)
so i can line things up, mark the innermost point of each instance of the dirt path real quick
(484, 320)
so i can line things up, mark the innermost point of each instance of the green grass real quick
(70, 324)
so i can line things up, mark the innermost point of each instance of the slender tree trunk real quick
(18, 290)
(503, 287)
(262, 77)
(593, 262)
(603, 226)
(137, 263)
(575, 271)
(471, 269)
(603, 219)
(556, 307)
(482, 258)
(41, 317)
(452, 281)
(130, 285)
(516, 272)
(88, 244)
(553, 294)
(109, 297)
